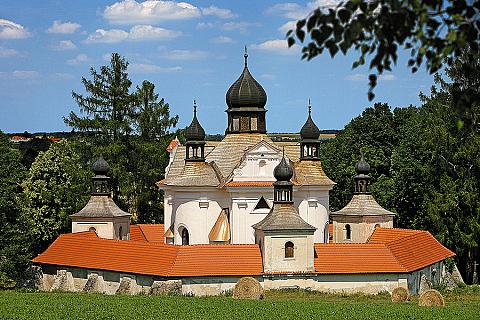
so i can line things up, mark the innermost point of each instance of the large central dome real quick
(246, 102)
(246, 92)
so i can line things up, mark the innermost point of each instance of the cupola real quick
(195, 139)
(100, 182)
(362, 179)
(309, 134)
(283, 187)
(246, 100)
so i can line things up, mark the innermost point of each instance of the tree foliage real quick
(14, 246)
(131, 130)
(432, 30)
(54, 189)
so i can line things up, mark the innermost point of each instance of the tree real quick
(108, 107)
(434, 31)
(153, 117)
(131, 130)
(376, 133)
(56, 186)
(14, 244)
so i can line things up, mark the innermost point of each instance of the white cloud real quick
(363, 77)
(296, 11)
(221, 40)
(12, 30)
(63, 27)
(63, 76)
(239, 26)
(290, 25)
(79, 59)
(218, 12)
(151, 11)
(186, 55)
(64, 45)
(20, 74)
(7, 52)
(268, 76)
(136, 33)
(151, 68)
(206, 25)
(276, 46)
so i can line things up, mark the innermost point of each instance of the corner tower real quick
(358, 219)
(246, 102)
(101, 214)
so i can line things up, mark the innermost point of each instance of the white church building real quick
(244, 206)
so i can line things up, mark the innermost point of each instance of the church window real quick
(185, 237)
(289, 249)
(236, 124)
(262, 166)
(120, 233)
(244, 124)
(348, 232)
(262, 204)
(254, 123)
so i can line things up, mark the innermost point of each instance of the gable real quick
(258, 163)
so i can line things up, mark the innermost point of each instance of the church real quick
(244, 206)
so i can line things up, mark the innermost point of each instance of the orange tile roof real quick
(147, 232)
(172, 144)
(388, 251)
(158, 259)
(249, 184)
(253, 183)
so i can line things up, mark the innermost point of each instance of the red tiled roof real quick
(172, 144)
(252, 183)
(151, 232)
(388, 251)
(78, 250)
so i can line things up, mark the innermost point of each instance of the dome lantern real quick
(309, 134)
(283, 187)
(195, 139)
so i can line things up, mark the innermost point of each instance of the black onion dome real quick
(310, 129)
(194, 131)
(100, 166)
(283, 171)
(362, 166)
(246, 91)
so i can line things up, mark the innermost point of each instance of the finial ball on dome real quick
(100, 166)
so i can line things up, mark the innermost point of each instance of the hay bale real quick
(431, 298)
(400, 294)
(248, 288)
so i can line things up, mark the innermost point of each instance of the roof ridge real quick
(395, 257)
(143, 233)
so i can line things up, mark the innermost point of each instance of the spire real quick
(309, 108)
(245, 56)
(309, 135)
(309, 129)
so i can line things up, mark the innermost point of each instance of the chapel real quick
(244, 206)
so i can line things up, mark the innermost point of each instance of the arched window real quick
(185, 237)
(348, 232)
(120, 233)
(325, 233)
(289, 249)
(262, 165)
(92, 229)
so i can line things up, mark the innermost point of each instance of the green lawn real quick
(464, 304)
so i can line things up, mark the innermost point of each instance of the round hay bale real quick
(431, 298)
(400, 294)
(248, 288)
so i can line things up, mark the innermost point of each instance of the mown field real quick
(463, 304)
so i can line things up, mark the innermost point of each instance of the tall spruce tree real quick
(109, 106)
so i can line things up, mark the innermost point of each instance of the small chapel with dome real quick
(244, 206)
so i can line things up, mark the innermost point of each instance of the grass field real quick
(462, 304)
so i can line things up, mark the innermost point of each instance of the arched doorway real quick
(185, 237)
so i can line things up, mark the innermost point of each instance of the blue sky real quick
(188, 50)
